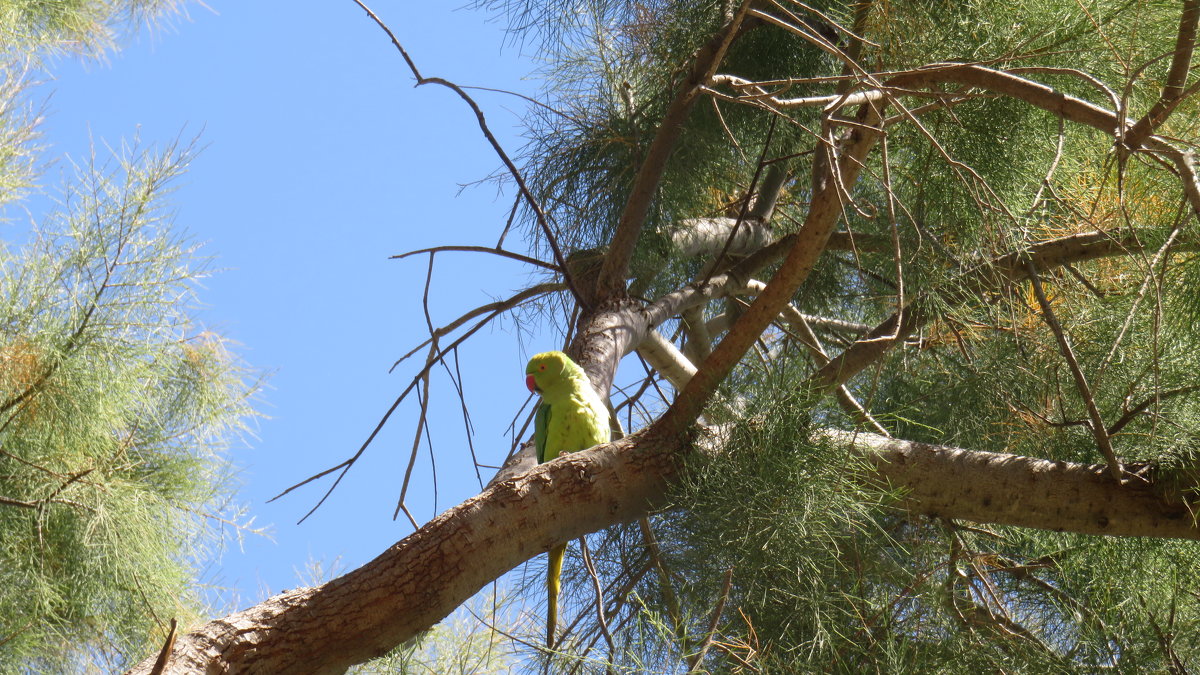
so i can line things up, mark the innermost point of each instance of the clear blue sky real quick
(321, 161)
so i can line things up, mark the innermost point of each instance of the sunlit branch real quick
(825, 209)
(1172, 93)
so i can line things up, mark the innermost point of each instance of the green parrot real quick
(571, 417)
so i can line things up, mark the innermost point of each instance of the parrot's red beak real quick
(530, 383)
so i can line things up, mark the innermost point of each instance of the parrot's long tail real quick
(553, 572)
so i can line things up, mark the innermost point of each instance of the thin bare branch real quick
(599, 589)
(422, 399)
(714, 620)
(164, 655)
(479, 249)
(346, 465)
(534, 205)
(494, 309)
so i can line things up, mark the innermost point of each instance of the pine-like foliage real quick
(116, 410)
(34, 28)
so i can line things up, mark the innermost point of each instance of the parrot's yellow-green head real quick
(549, 371)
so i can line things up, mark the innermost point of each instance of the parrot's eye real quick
(542, 367)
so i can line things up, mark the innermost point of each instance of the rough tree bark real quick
(424, 577)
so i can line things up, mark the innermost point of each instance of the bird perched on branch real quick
(571, 417)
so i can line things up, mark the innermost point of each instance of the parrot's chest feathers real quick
(576, 423)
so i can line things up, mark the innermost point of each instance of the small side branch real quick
(847, 158)
(971, 284)
(664, 581)
(479, 249)
(493, 310)
(715, 620)
(164, 655)
(599, 589)
(1099, 431)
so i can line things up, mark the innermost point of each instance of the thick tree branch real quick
(990, 487)
(420, 580)
(424, 577)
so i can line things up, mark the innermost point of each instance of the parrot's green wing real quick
(571, 417)
(541, 422)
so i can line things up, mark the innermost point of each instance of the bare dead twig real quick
(494, 309)
(345, 466)
(456, 378)
(534, 205)
(1147, 280)
(423, 400)
(479, 249)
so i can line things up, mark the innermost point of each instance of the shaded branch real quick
(1099, 431)
(645, 185)
(1140, 408)
(994, 274)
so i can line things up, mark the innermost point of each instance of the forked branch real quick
(534, 204)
